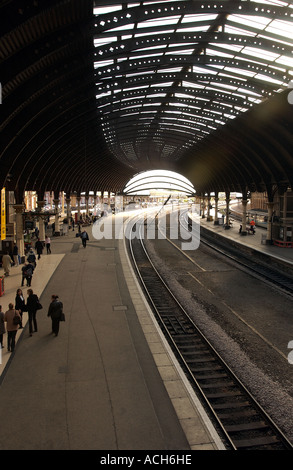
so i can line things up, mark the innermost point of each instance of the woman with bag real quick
(56, 313)
(20, 304)
(32, 305)
(13, 319)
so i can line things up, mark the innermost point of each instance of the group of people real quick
(13, 317)
(31, 263)
(13, 259)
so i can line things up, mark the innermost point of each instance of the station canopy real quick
(170, 74)
(97, 91)
(167, 181)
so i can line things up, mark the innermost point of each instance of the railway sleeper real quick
(234, 415)
(211, 376)
(195, 353)
(232, 406)
(253, 425)
(225, 394)
(214, 385)
(191, 339)
(194, 363)
(212, 369)
(189, 347)
(256, 442)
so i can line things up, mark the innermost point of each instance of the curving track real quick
(241, 420)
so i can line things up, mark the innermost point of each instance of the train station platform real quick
(256, 242)
(108, 381)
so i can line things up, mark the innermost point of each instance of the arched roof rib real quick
(151, 84)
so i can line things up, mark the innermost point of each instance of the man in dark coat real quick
(32, 307)
(39, 247)
(55, 311)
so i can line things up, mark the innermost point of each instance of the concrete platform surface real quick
(108, 381)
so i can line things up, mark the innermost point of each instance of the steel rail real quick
(243, 423)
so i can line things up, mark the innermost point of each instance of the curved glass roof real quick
(144, 182)
(170, 73)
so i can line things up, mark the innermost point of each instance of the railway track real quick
(242, 422)
(267, 273)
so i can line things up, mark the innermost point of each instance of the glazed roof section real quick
(168, 74)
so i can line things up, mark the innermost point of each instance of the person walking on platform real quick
(20, 304)
(48, 244)
(27, 274)
(6, 263)
(12, 327)
(32, 258)
(39, 248)
(32, 307)
(2, 327)
(55, 312)
(84, 238)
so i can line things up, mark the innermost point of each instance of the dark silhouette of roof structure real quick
(96, 92)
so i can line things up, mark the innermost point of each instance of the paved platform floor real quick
(108, 381)
(255, 241)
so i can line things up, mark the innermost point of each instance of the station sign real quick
(3, 215)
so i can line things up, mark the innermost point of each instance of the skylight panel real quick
(223, 85)
(185, 52)
(214, 52)
(239, 71)
(240, 79)
(235, 30)
(170, 70)
(151, 33)
(184, 95)
(268, 79)
(248, 92)
(166, 84)
(103, 63)
(157, 95)
(257, 22)
(271, 2)
(202, 70)
(195, 18)
(193, 29)
(126, 27)
(102, 95)
(282, 28)
(98, 42)
(260, 53)
(135, 88)
(106, 9)
(230, 116)
(284, 60)
(170, 20)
